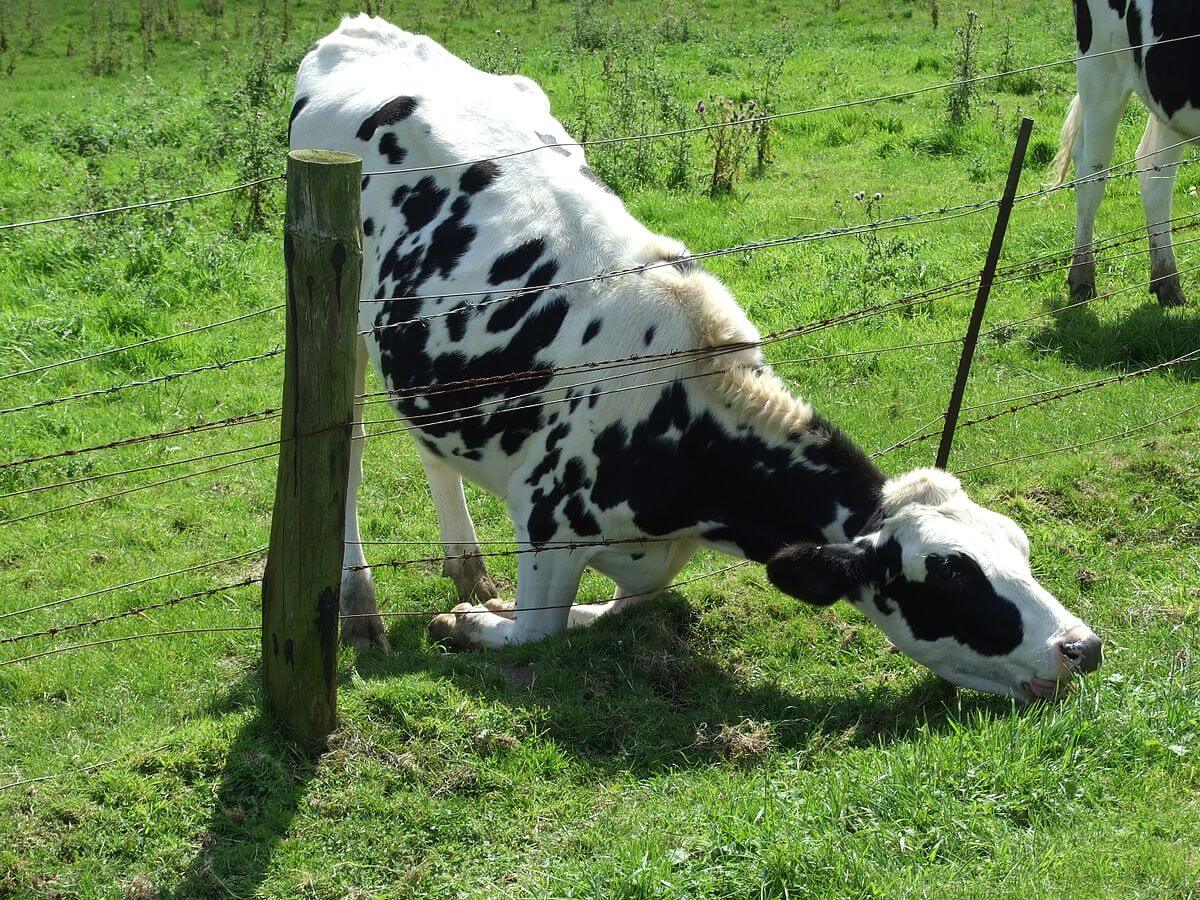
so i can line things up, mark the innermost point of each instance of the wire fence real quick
(635, 370)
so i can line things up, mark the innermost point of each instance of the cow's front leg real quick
(362, 628)
(547, 583)
(463, 564)
(637, 580)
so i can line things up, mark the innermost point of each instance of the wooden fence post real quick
(322, 249)
(985, 288)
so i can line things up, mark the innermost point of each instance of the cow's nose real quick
(1080, 650)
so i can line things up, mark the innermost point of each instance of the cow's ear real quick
(819, 573)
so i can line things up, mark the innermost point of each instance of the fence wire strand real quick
(139, 344)
(157, 379)
(258, 551)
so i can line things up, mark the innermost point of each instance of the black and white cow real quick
(1167, 79)
(709, 452)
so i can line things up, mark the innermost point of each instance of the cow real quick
(705, 446)
(1158, 65)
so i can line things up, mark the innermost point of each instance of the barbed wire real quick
(445, 387)
(596, 142)
(769, 117)
(139, 344)
(86, 501)
(264, 415)
(136, 611)
(258, 551)
(129, 637)
(1082, 444)
(384, 613)
(145, 205)
(1055, 394)
(80, 771)
(157, 379)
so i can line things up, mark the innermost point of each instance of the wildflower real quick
(860, 196)
(878, 196)
(700, 107)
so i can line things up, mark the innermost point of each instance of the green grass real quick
(724, 741)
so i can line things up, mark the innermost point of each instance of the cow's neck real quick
(823, 492)
(782, 473)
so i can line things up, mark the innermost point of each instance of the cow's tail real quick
(1061, 166)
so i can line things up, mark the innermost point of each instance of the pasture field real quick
(722, 741)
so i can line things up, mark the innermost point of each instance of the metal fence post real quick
(985, 288)
(322, 247)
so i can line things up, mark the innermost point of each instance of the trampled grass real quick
(724, 741)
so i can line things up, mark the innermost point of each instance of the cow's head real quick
(950, 584)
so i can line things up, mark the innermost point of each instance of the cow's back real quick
(492, 226)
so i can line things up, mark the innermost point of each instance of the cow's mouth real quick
(1046, 688)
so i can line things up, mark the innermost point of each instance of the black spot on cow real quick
(513, 309)
(456, 322)
(550, 141)
(1171, 71)
(422, 203)
(1083, 25)
(478, 176)
(366, 180)
(581, 521)
(569, 486)
(395, 110)
(390, 147)
(514, 412)
(556, 435)
(636, 556)
(775, 498)
(589, 173)
(297, 107)
(368, 226)
(649, 335)
(593, 329)
(955, 600)
(451, 239)
(515, 263)
(593, 397)
(1133, 25)
(1118, 6)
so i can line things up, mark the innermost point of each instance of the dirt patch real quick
(744, 744)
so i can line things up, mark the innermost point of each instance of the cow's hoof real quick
(1084, 291)
(453, 629)
(1169, 295)
(362, 628)
(365, 634)
(503, 608)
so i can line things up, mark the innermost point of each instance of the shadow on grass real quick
(632, 693)
(1147, 336)
(263, 782)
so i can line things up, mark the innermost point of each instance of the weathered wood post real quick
(322, 249)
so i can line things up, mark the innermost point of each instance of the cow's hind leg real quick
(463, 564)
(361, 626)
(1102, 97)
(1160, 150)
(547, 583)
